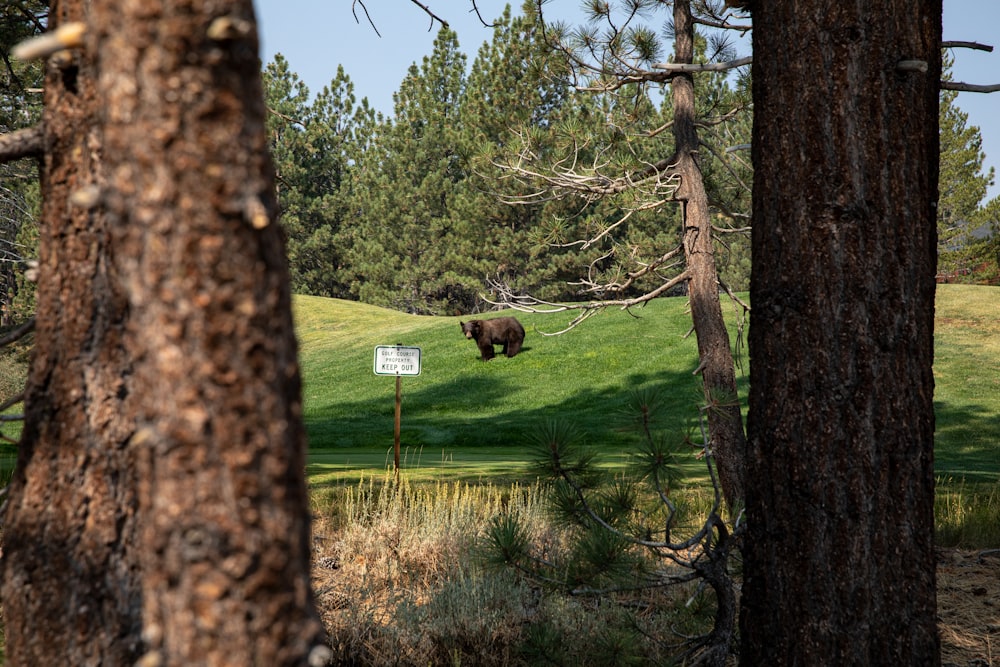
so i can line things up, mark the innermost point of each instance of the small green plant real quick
(622, 537)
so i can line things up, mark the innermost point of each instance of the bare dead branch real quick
(354, 4)
(663, 128)
(26, 142)
(584, 244)
(735, 297)
(285, 117)
(479, 15)
(732, 230)
(426, 9)
(912, 66)
(67, 36)
(630, 279)
(709, 14)
(32, 17)
(969, 87)
(704, 67)
(434, 17)
(18, 333)
(722, 24)
(11, 74)
(529, 304)
(622, 80)
(12, 401)
(568, 177)
(721, 157)
(713, 121)
(967, 45)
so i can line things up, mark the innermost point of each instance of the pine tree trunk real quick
(839, 561)
(159, 509)
(71, 590)
(725, 423)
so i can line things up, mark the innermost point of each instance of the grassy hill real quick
(466, 418)
(463, 418)
(967, 382)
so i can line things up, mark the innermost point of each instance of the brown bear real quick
(505, 331)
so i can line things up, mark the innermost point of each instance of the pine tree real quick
(839, 559)
(405, 246)
(313, 145)
(963, 184)
(158, 512)
(516, 84)
(657, 233)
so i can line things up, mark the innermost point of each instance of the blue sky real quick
(316, 36)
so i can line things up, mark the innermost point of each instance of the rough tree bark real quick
(70, 585)
(715, 354)
(839, 561)
(159, 510)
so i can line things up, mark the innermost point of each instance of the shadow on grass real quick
(459, 430)
(967, 443)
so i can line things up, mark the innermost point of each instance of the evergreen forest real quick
(463, 190)
(462, 193)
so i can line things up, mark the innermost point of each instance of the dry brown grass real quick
(394, 581)
(398, 583)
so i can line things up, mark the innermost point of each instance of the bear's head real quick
(471, 329)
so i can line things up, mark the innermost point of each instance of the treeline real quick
(412, 212)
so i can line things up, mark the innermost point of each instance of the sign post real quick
(399, 361)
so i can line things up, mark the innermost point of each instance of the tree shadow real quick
(967, 442)
(469, 411)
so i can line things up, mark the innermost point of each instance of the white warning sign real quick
(397, 360)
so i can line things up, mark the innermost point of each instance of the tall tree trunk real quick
(159, 509)
(839, 561)
(725, 423)
(70, 584)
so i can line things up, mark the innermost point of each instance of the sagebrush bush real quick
(400, 580)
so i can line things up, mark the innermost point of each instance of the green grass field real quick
(463, 419)
(967, 382)
(466, 419)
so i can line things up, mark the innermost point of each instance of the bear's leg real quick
(512, 348)
(486, 349)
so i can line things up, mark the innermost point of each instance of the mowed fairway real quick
(467, 419)
(967, 383)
